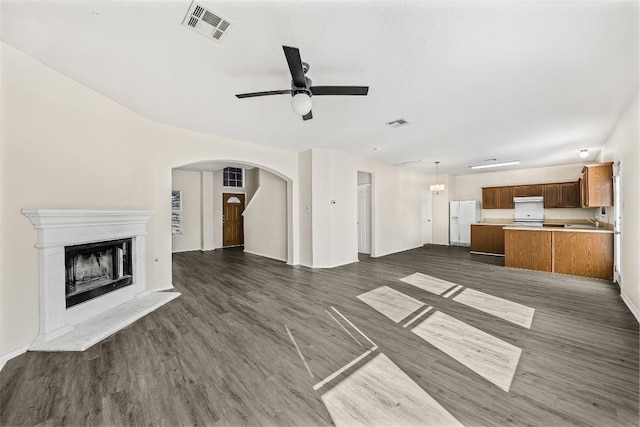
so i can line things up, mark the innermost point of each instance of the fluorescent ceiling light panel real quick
(495, 165)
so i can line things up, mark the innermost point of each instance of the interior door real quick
(232, 226)
(427, 214)
(364, 219)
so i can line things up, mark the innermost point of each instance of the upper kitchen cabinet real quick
(497, 198)
(596, 185)
(563, 195)
(527, 190)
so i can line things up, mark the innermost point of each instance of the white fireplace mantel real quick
(58, 228)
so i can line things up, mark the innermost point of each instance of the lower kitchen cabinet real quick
(530, 249)
(488, 239)
(584, 254)
(579, 253)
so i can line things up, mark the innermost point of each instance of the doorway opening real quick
(226, 204)
(364, 213)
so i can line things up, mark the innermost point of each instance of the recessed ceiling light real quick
(496, 165)
(584, 153)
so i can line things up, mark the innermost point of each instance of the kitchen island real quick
(580, 251)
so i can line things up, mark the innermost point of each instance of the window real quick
(233, 177)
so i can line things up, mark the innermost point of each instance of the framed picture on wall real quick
(176, 212)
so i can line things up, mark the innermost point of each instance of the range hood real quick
(529, 209)
(533, 199)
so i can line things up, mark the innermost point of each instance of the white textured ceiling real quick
(528, 80)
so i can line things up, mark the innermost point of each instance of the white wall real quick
(206, 217)
(265, 218)
(364, 178)
(624, 145)
(190, 183)
(62, 146)
(53, 129)
(396, 208)
(469, 187)
(305, 207)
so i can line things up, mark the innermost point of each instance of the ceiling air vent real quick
(398, 123)
(206, 22)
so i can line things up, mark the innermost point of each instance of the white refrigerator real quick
(461, 215)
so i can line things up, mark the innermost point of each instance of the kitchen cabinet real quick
(520, 191)
(584, 254)
(596, 185)
(505, 197)
(487, 238)
(490, 198)
(497, 198)
(587, 253)
(530, 249)
(527, 190)
(563, 195)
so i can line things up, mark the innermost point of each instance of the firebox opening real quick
(94, 269)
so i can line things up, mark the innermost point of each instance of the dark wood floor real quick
(221, 355)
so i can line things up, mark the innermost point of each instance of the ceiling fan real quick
(301, 86)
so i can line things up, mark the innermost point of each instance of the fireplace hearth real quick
(95, 269)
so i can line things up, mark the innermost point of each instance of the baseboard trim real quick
(263, 255)
(10, 355)
(634, 310)
(378, 255)
(336, 265)
(166, 288)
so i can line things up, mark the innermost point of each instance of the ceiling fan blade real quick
(308, 116)
(295, 65)
(270, 92)
(339, 90)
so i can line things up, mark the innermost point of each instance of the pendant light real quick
(437, 188)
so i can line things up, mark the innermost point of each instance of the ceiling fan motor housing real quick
(295, 89)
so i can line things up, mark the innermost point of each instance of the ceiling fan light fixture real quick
(301, 103)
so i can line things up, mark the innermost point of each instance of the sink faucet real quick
(595, 222)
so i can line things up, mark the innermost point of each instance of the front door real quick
(232, 229)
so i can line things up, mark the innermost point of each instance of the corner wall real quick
(623, 145)
(190, 183)
(265, 218)
(63, 146)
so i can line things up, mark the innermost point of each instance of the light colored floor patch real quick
(452, 291)
(428, 283)
(502, 308)
(486, 355)
(381, 394)
(393, 304)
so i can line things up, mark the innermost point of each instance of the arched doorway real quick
(207, 220)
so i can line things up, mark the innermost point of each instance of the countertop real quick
(581, 226)
(586, 229)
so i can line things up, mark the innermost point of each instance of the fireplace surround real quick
(110, 250)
